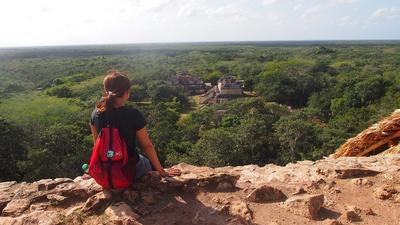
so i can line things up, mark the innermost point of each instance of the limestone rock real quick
(351, 215)
(386, 191)
(332, 222)
(48, 184)
(266, 194)
(89, 184)
(149, 198)
(39, 207)
(218, 195)
(305, 205)
(121, 213)
(71, 190)
(344, 173)
(364, 182)
(5, 198)
(240, 209)
(369, 212)
(130, 195)
(16, 207)
(224, 186)
(38, 217)
(56, 198)
(299, 191)
(197, 219)
(96, 201)
(5, 186)
(73, 210)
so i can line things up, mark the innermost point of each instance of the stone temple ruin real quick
(193, 85)
(380, 138)
(227, 88)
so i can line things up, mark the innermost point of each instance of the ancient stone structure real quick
(193, 85)
(227, 88)
(362, 190)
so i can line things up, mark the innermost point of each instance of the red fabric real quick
(122, 170)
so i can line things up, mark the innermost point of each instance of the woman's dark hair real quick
(115, 84)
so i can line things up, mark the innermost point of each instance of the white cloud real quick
(347, 21)
(191, 9)
(341, 1)
(388, 13)
(312, 14)
(270, 2)
(297, 7)
(41, 22)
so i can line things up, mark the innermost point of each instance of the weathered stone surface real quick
(121, 213)
(25, 190)
(50, 217)
(351, 215)
(130, 195)
(332, 222)
(194, 178)
(5, 194)
(204, 195)
(88, 184)
(299, 191)
(240, 209)
(354, 172)
(39, 206)
(56, 198)
(364, 182)
(5, 198)
(48, 184)
(266, 193)
(5, 186)
(149, 198)
(386, 191)
(16, 207)
(369, 212)
(96, 201)
(74, 210)
(224, 186)
(41, 184)
(305, 205)
(197, 219)
(71, 189)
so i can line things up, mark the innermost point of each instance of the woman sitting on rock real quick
(129, 122)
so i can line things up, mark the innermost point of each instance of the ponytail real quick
(106, 102)
(115, 84)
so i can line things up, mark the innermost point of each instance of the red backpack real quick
(109, 163)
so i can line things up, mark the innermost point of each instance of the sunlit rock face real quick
(329, 191)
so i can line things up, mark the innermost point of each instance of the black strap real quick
(98, 154)
(110, 148)
(109, 173)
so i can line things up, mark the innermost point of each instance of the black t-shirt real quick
(126, 120)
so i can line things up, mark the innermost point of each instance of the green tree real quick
(61, 151)
(297, 138)
(12, 150)
(161, 91)
(60, 91)
(216, 147)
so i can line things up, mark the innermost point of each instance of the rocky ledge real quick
(363, 190)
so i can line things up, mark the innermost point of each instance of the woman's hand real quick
(170, 172)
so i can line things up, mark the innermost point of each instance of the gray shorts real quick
(142, 167)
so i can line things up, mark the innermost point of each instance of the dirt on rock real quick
(364, 190)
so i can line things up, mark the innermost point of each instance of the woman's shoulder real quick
(95, 113)
(130, 110)
(136, 117)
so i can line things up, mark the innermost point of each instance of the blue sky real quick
(62, 22)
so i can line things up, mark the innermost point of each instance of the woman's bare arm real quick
(148, 148)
